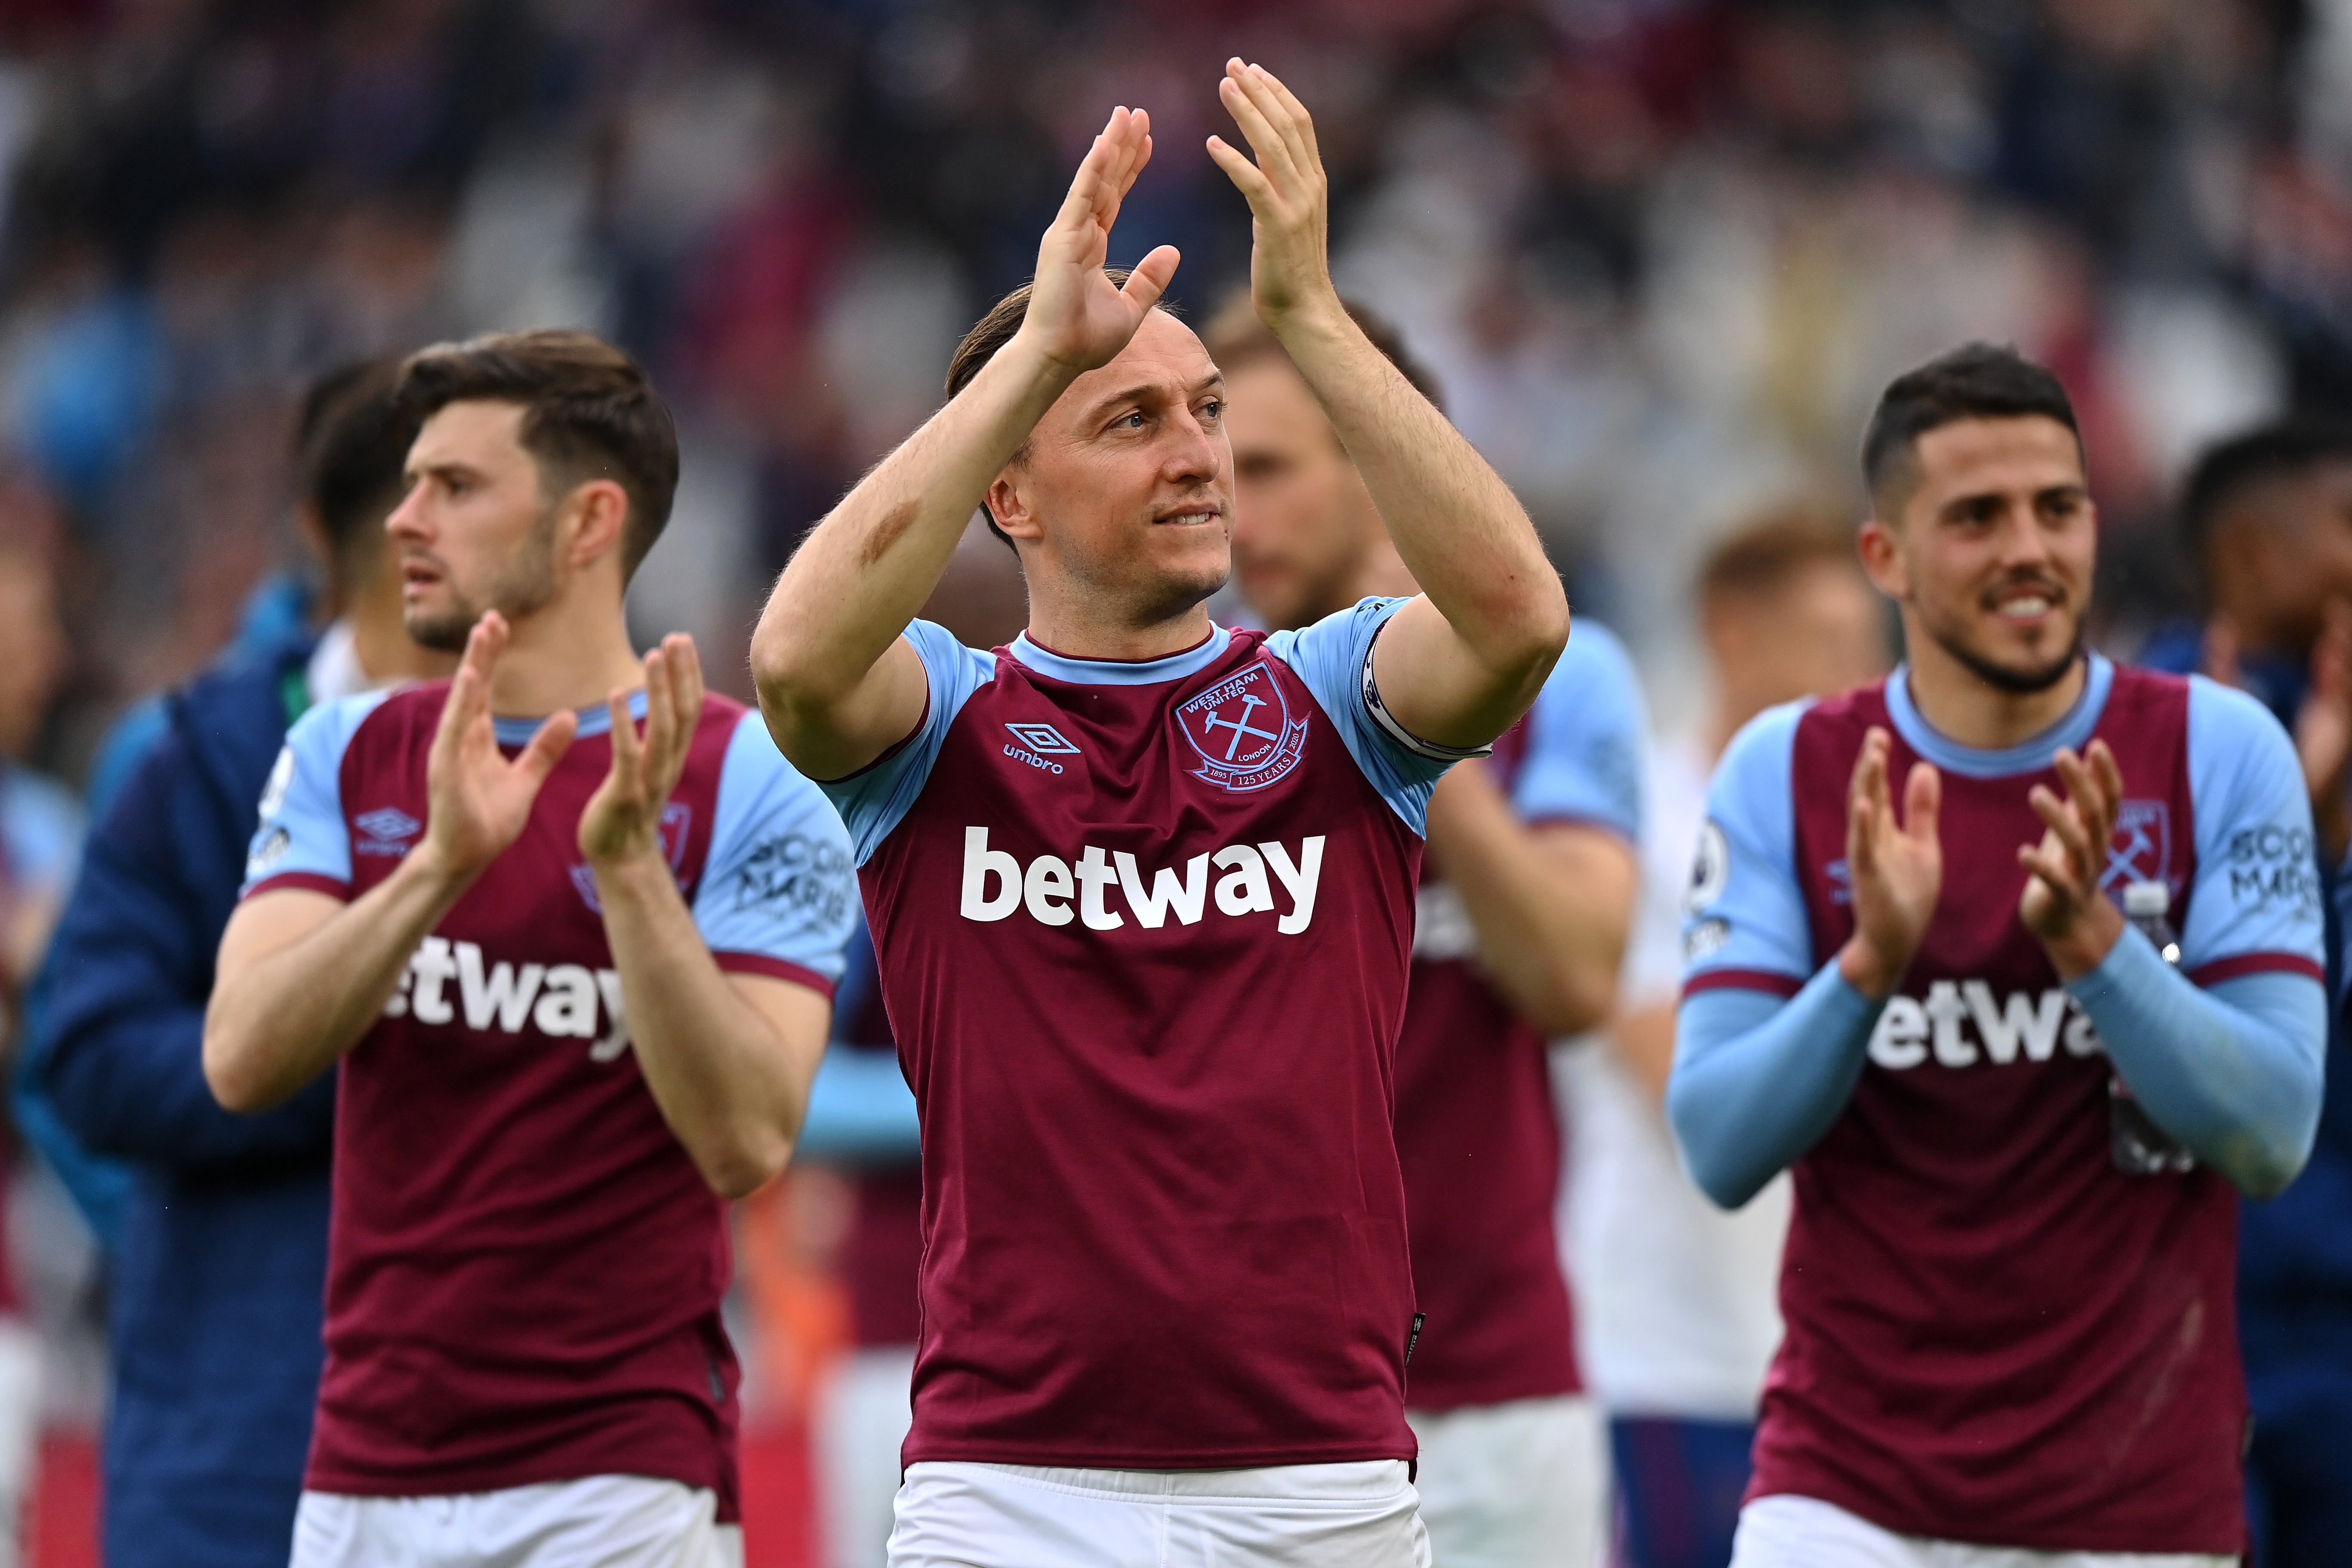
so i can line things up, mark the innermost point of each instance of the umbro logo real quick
(1039, 742)
(1043, 738)
(385, 831)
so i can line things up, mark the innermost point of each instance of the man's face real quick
(2297, 556)
(474, 532)
(32, 649)
(1302, 516)
(1992, 553)
(1124, 493)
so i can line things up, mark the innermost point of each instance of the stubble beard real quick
(2028, 682)
(523, 586)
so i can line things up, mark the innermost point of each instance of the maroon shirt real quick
(1143, 934)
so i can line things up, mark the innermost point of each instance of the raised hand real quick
(1897, 869)
(2063, 903)
(623, 818)
(1077, 317)
(1290, 200)
(477, 800)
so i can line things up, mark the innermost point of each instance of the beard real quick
(2018, 683)
(522, 586)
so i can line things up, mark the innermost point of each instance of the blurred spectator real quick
(1676, 1298)
(2269, 518)
(219, 1268)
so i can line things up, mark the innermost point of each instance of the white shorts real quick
(1784, 1530)
(1287, 1516)
(1520, 1485)
(597, 1522)
(863, 1425)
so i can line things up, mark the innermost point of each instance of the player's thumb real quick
(1151, 278)
(547, 747)
(1923, 799)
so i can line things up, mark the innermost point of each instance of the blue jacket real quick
(220, 1257)
(2294, 1253)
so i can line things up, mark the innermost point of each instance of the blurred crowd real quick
(1662, 255)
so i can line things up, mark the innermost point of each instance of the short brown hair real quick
(1765, 555)
(589, 413)
(352, 438)
(991, 333)
(1237, 334)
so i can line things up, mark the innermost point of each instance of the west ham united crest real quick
(676, 821)
(2141, 850)
(1243, 730)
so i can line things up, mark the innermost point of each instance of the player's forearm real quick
(727, 1086)
(2234, 1073)
(1552, 907)
(1757, 1080)
(865, 569)
(1461, 531)
(279, 1018)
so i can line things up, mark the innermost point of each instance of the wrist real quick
(1315, 319)
(1028, 362)
(2084, 945)
(631, 869)
(432, 866)
(1867, 970)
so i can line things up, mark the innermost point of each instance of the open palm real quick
(479, 800)
(1077, 316)
(1896, 868)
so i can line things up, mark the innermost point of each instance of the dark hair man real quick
(1520, 928)
(1143, 891)
(2268, 516)
(217, 1271)
(1677, 1301)
(2015, 1120)
(578, 978)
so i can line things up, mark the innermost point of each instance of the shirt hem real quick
(1968, 1531)
(1099, 1458)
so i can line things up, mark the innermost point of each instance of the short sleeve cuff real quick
(2220, 969)
(774, 968)
(1770, 981)
(307, 881)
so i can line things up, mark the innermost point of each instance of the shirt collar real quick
(2028, 756)
(596, 721)
(1119, 671)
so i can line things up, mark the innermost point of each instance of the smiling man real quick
(2016, 1123)
(578, 979)
(1143, 894)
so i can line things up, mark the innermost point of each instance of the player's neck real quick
(1965, 708)
(571, 654)
(1070, 630)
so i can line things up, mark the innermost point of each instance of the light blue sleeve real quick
(302, 831)
(1758, 1080)
(43, 826)
(1744, 920)
(778, 893)
(1333, 656)
(860, 1110)
(2257, 902)
(874, 801)
(1586, 737)
(2234, 1072)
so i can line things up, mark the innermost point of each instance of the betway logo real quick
(562, 1000)
(995, 884)
(2023, 1025)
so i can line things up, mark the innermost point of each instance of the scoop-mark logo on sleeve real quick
(2274, 866)
(795, 873)
(1243, 731)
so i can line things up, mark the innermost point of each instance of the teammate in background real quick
(1520, 927)
(2015, 1120)
(217, 1275)
(862, 1119)
(2269, 520)
(579, 980)
(1677, 1317)
(1142, 889)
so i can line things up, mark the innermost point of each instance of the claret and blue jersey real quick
(1995, 1332)
(1144, 934)
(525, 1266)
